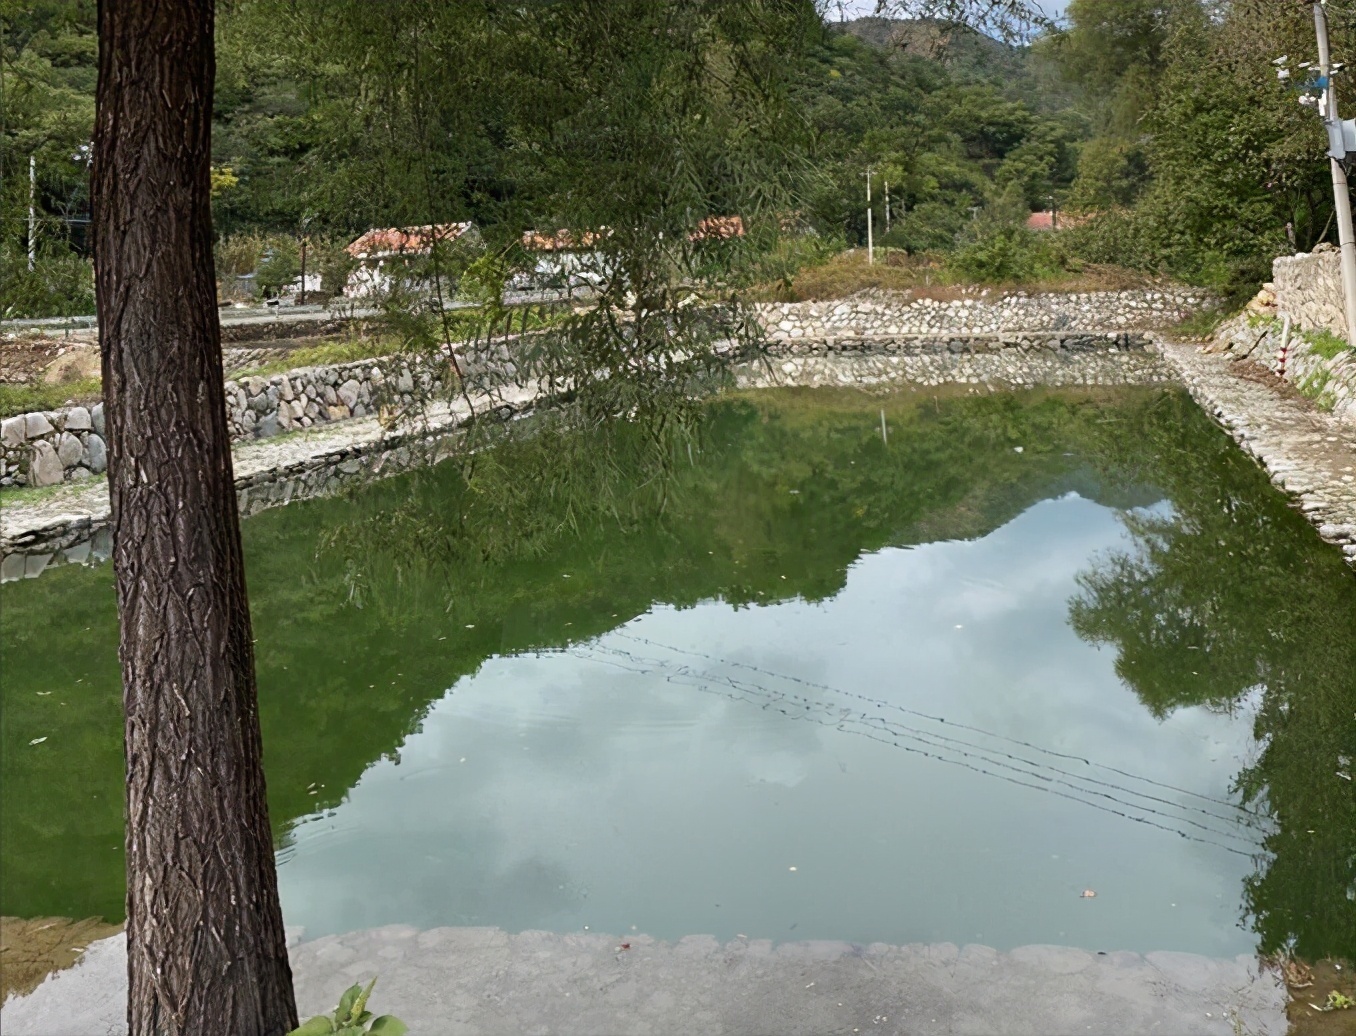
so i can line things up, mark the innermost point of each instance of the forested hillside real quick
(1160, 118)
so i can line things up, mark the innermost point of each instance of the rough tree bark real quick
(206, 948)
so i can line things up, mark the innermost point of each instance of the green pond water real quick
(927, 690)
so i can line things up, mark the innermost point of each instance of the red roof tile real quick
(405, 240)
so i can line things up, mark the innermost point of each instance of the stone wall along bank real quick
(888, 315)
(1325, 376)
(259, 407)
(1314, 356)
(67, 445)
(1308, 288)
(43, 449)
(48, 448)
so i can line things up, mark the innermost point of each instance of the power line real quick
(803, 708)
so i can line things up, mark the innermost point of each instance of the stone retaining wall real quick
(960, 343)
(1308, 287)
(43, 449)
(87, 539)
(999, 371)
(886, 314)
(67, 445)
(259, 407)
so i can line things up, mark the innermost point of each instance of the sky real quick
(858, 8)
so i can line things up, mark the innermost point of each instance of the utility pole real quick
(870, 242)
(1341, 192)
(305, 239)
(32, 211)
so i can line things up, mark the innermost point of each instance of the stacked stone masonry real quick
(37, 449)
(1296, 329)
(887, 315)
(1308, 288)
(48, 448)
(43, 449)
(959, 343)
(66, 445)
(259, 407)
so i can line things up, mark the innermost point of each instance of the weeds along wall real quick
(1315, 356)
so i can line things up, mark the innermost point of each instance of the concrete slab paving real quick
(484, 981)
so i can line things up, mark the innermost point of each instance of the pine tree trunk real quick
(206, 949)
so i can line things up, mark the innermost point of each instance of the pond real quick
(938, 687)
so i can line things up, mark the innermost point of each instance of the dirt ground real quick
(1309, 987)
(32, 948)
(53, 359)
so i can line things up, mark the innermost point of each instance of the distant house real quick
(1042, 221)
(572, 259)
(383, 254)
(562, 259)
(718, 228)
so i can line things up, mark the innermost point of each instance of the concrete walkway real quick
(455, 981)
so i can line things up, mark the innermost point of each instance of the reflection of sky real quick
(671, 774)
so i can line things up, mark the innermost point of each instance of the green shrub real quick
(352, 1018)
(1007, 255)
(239, 254)
(279, 265)
(61, 284)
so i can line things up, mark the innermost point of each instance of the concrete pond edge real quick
(452, 981)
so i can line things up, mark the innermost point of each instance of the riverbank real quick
(1310, 453)
(486, 981)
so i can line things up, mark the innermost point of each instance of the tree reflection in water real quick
(1228, 598)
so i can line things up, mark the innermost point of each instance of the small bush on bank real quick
(61, 284)
(1152, 240)
(275, 262)
(1009, 255)
(352, 1018)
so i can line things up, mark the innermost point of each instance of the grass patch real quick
(324, 354)
(462, 325)
(1201, 324)
(27, 496)
(1325, 344)
(1315, 388)
(26, 398)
